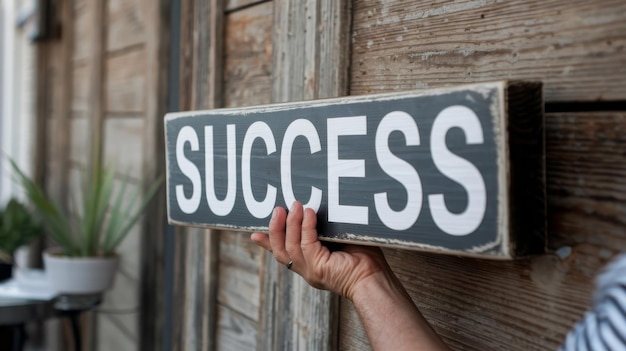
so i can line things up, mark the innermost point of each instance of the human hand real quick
(358, 273)
(293, 237)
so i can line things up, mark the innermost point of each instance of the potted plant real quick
(85, 260)
(17, 227)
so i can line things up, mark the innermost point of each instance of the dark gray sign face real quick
(415, 170)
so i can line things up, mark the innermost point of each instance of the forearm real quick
(390, 318)
(359, 273)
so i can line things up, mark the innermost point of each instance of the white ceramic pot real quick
(79, 275)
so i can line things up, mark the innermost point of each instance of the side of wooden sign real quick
(458, 170)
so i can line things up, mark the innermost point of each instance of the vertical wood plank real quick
(179, 311)
(55, 123)
(248, 56)
(152, 262)
(311, 41)
(44, 80)
(208, 46)
(59, 140)
(126, 82)
(235, 332)
(200, 303)
(201, 77)
(95, 108)
(178, 293)
(130, 23)
(239, 275)
(307, 35)
(95, 114)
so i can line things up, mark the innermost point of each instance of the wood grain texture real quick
(125, 325)
(95, 107)
(179, 294)
(108, 326)
(310, 49)
(125, 87)
(80, 139)
(239, 278)
(235, 331)
(123, 146)
(248, 56)
(122, 297)
(246, 80)
(530, 304)
(235, 5)
(83, 34)
(586, 165)
(156, 16)
(238, 291)
(81, 83)
(199, 297)
(208, 39)
(127, 25)
(305, 35)
(129, 251)
(182, 237)
(576, 48)
(58, 136)
(201, 52)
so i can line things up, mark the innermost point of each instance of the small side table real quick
(16, 312)
(71, 307)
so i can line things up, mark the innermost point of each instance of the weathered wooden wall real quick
(247, 81)
(272, 51)
(232, 295)
(221, 271)
(577, 50)
(104, 72)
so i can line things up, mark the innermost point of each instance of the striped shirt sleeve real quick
(604, 327)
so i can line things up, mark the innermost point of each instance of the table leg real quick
(19, 334)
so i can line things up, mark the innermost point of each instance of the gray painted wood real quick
(503, 201)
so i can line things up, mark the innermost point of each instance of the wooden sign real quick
(457, 170)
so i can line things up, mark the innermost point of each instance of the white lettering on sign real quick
(338, 168)
(447, 163)
(259, 209)
(299, 127)
(189, 169)
(459, 170)
(217, 206)
(398, 169)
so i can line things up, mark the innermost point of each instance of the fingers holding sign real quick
(284, 239)
(358, 273)
(293, 238)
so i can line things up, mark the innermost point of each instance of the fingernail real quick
(274, 213)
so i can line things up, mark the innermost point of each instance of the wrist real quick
(382, 284)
